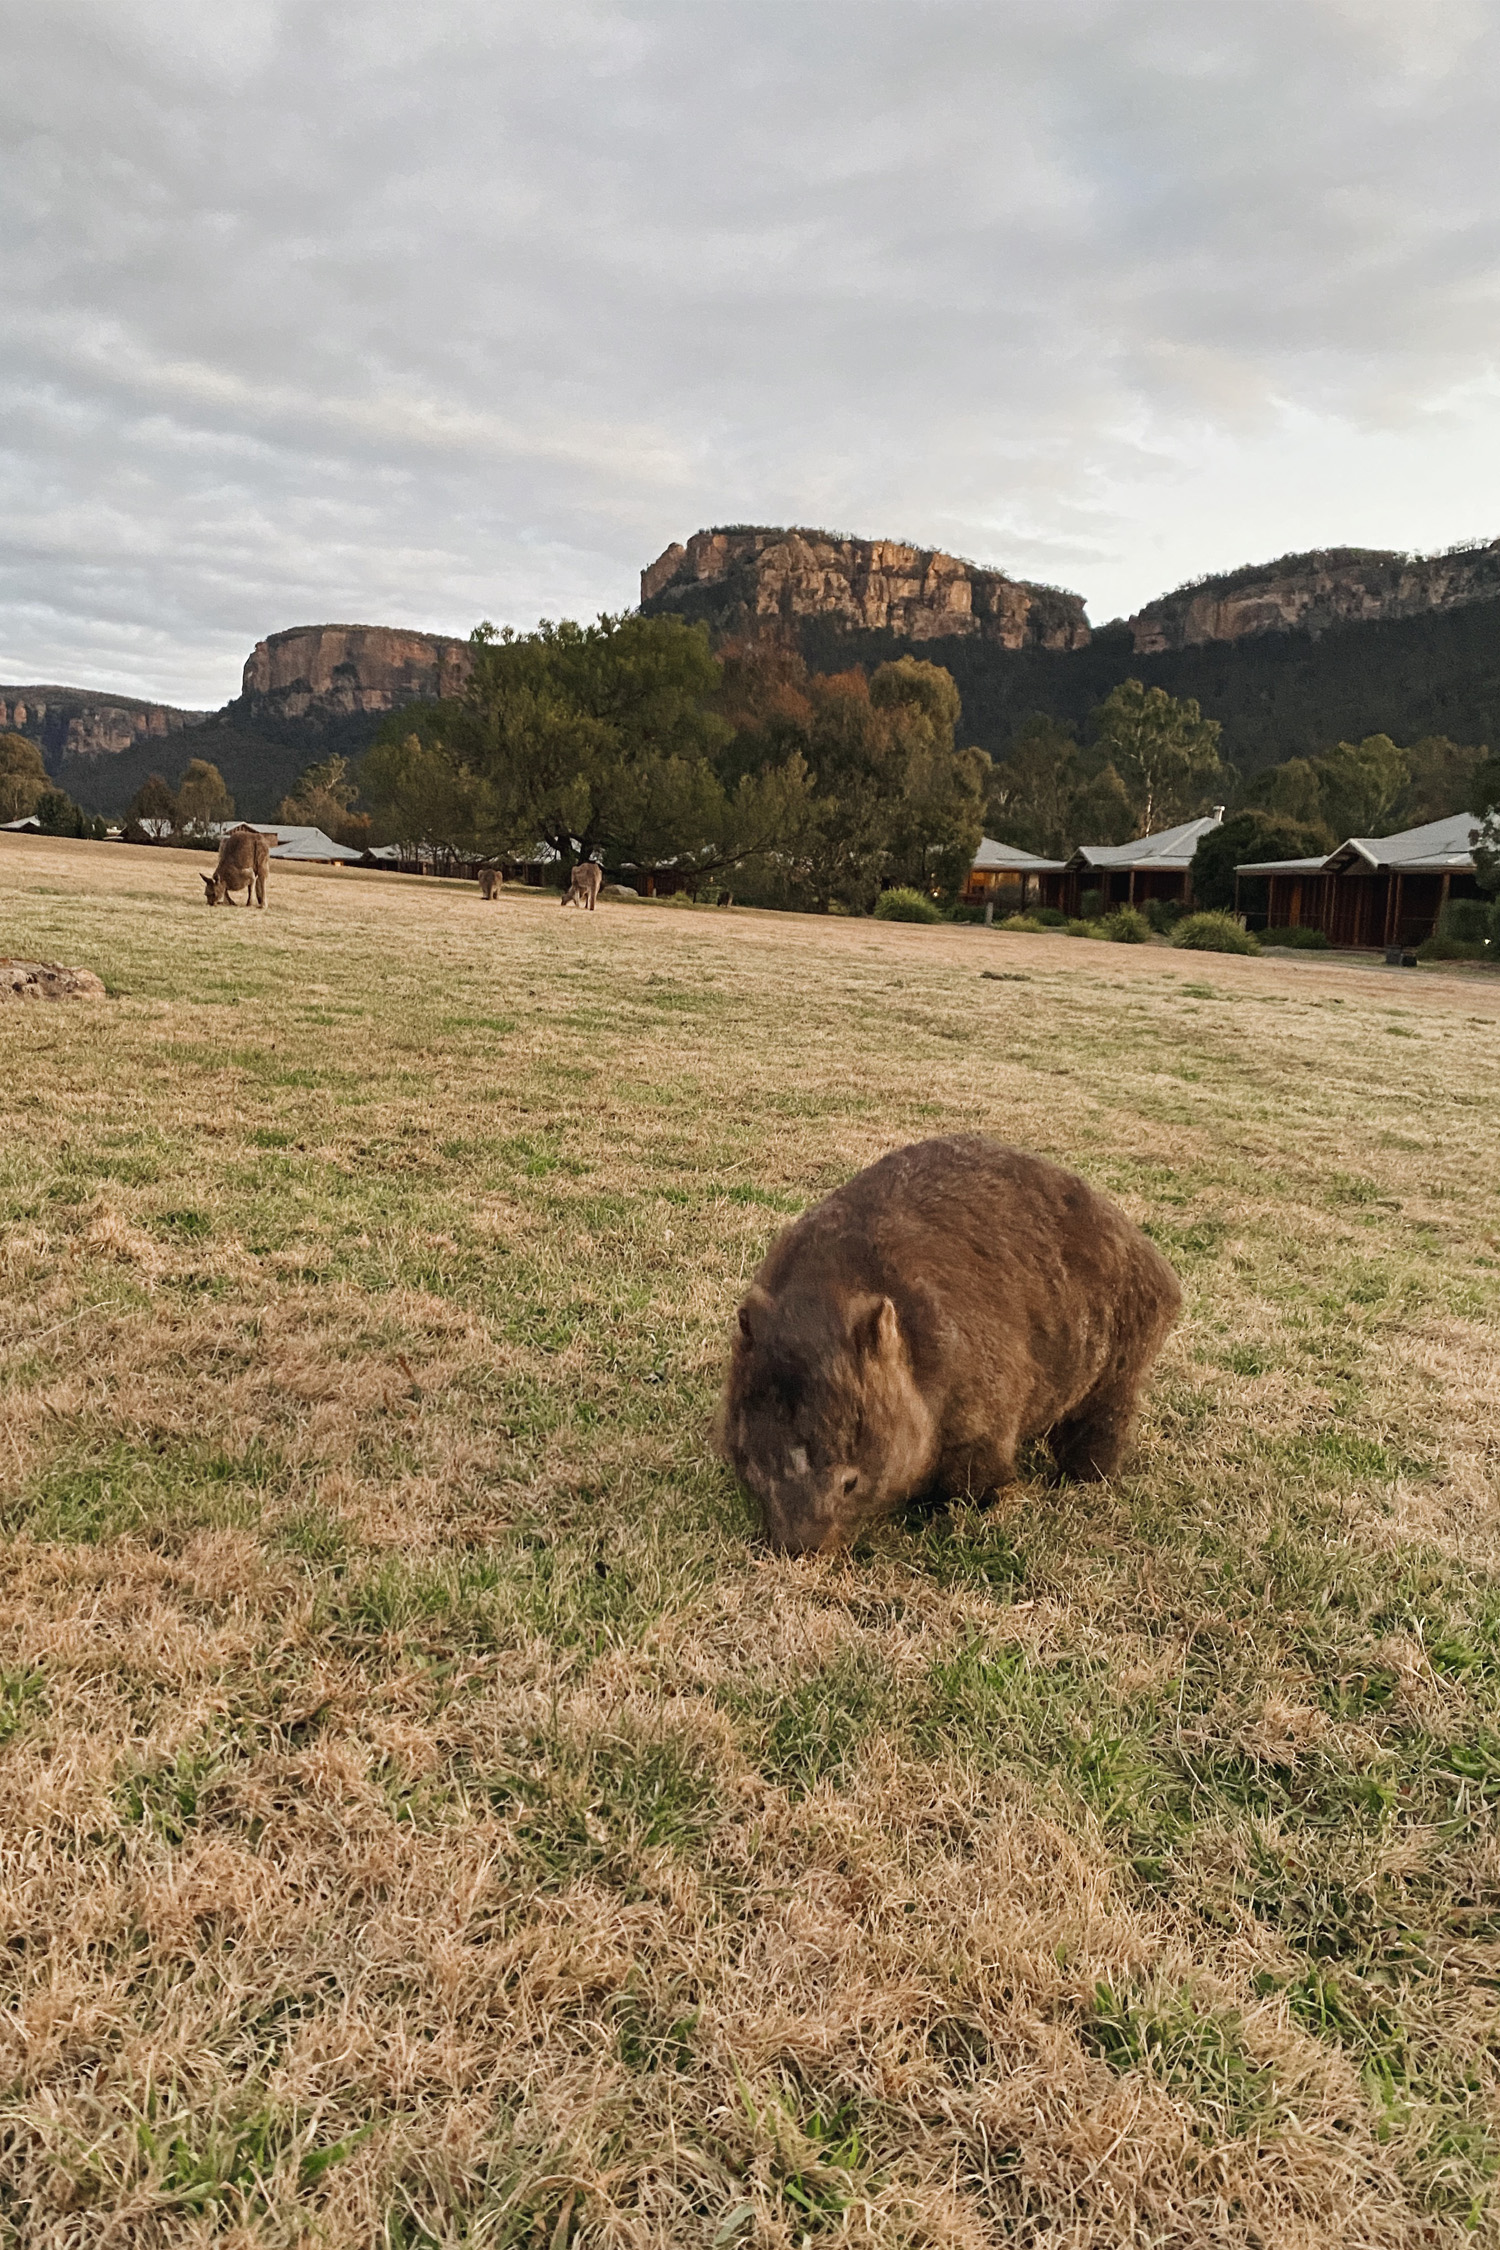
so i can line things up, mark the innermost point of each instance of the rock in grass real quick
(47, 980)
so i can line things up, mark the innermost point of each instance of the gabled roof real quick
(1169, 847)
(1005, 859)
(298, 842)
(1438, 847)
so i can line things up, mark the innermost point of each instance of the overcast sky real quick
(421, 314)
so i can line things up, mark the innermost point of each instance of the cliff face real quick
(1310, 593)
(762, 582)
(71, 721)
(317, 671)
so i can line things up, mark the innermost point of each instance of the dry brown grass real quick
(426, 1816)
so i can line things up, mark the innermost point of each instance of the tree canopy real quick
(1243, 837)
(23, 777)
(152, 811)
(1163, 749)
(1149, 763)
(630, 741)
(324, 798)
(203, 802)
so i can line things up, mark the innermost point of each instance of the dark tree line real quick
(630, 741)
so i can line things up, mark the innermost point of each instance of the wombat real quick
(903, 1337)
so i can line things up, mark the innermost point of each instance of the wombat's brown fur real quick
(907, 1334)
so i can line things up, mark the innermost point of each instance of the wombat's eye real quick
(851, 1479)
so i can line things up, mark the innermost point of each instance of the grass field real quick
(427, 1815)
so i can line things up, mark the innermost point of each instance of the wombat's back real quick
(1003, 1268)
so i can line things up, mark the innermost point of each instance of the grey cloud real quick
(365, 311)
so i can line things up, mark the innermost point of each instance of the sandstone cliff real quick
(72, 721)
(1310, 593)
(318, 671)
(761, 582)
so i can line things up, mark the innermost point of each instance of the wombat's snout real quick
(811, 1520)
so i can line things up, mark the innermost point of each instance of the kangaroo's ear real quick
(753, 1315)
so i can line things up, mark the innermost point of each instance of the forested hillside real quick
(1276, 696)
(260, 760)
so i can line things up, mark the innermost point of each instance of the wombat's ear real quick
(753, 1314)
(877, 1331)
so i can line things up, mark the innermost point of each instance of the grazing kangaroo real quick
(588, 875)
(244, 855)
(489, 882)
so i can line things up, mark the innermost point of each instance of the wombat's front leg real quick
(975, 1471)
(1089, 1445)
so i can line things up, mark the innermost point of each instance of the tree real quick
(57, 815)
(1033, 788)
(1484, 802)
(324, 798)
(1483, 794)
(422, 794)
(203, 802)
(1248, 836)
(1442, 778)
(1163, 749)
(936, 818)
(1362, 784)
(581, 734)
(23, 777)
(1292, 791)
(1103, 811)
(152, 811)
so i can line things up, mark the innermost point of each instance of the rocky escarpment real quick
(1310, 593)
(333, 671)
(69, 722)
(760, 583)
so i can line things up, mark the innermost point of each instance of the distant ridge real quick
(1290, 656)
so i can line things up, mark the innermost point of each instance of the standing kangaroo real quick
(588, 875)
(244, 855)
(489, 882)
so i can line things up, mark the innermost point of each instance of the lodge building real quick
(1005, 880)
(1152, 867)
(1371, 891)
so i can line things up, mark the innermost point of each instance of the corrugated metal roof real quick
(295, 842)
(1438, 847)
(1005, 859)
(1169, 847)
(1280, 866)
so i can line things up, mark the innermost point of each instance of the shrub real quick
(1307, 941)
(1466, 919)
(1440, 948)
(1127, 926)
(964, 912)
(1050, 917)
(1213, 933)
(1164, 914)
(1084, 929)
(1091, 905)
(1018, 922)
(1249, 837)
(903, 905)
